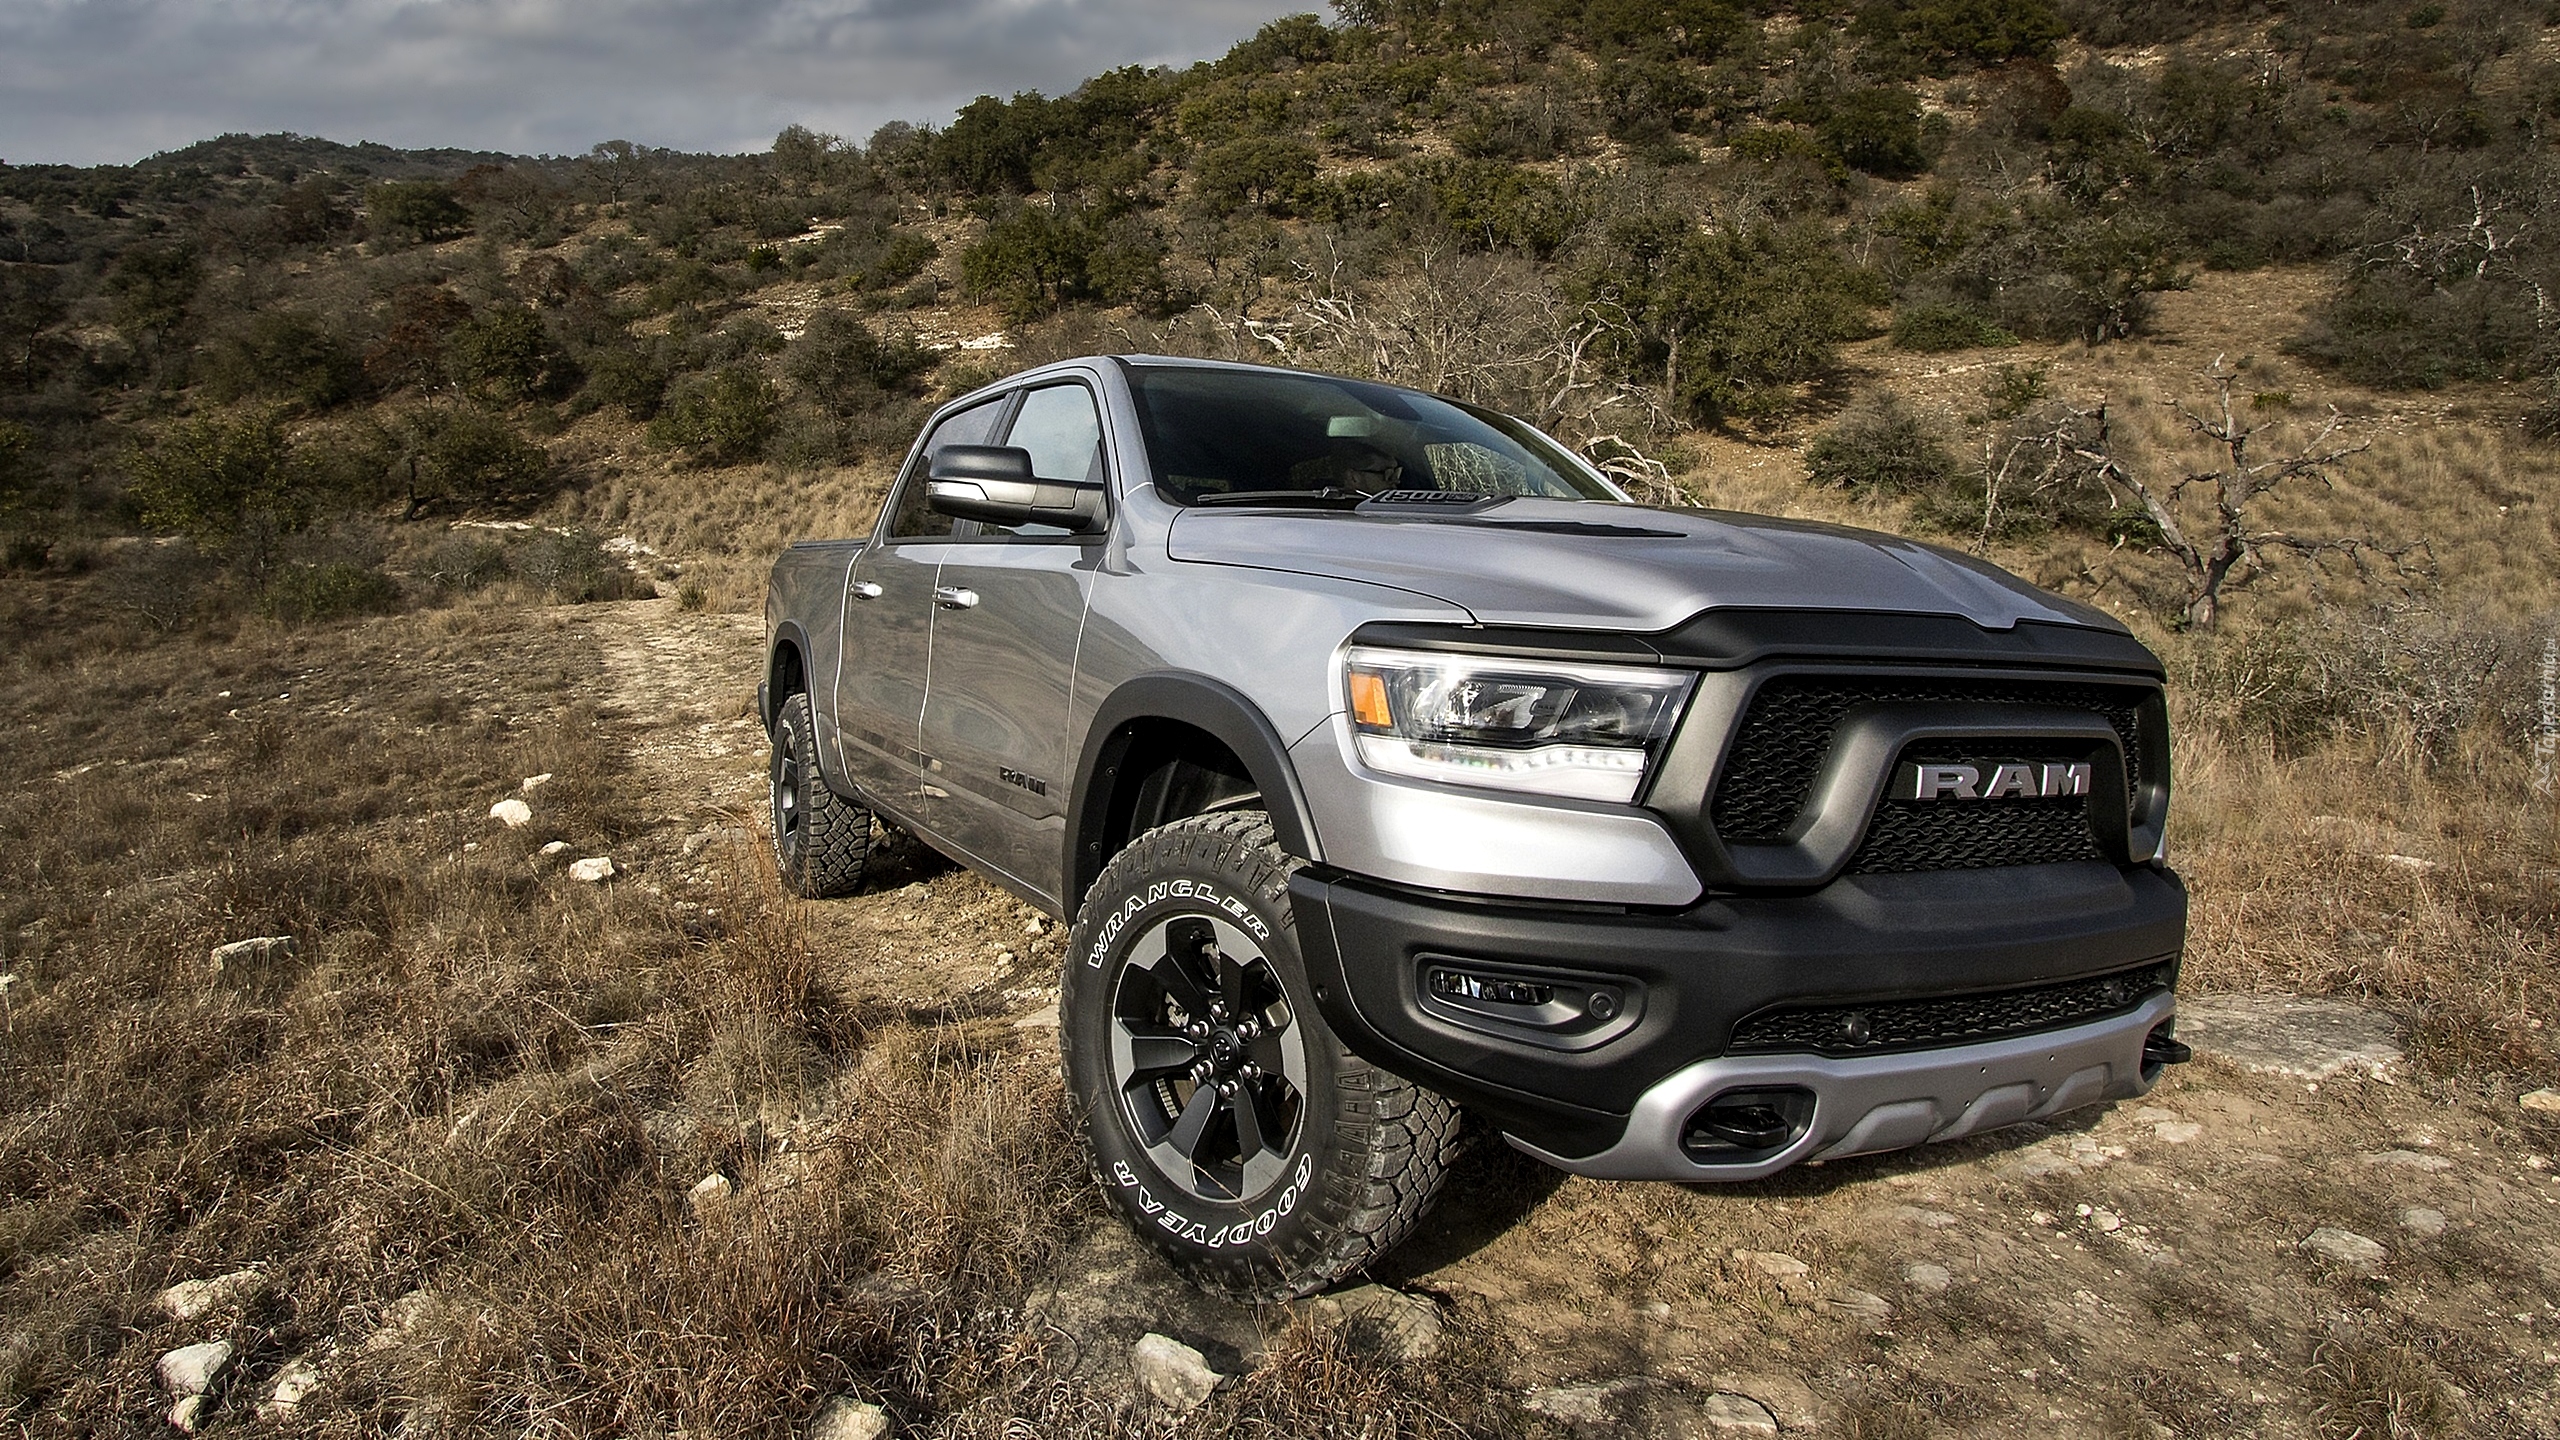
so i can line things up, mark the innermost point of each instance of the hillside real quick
(345, 491)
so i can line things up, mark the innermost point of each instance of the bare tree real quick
(2206, 519)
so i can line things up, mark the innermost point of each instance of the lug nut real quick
(1248, 1071)
(1248, 1030)
(1227, 1089)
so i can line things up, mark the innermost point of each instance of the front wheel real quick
(821, 841)
(1228, 1125)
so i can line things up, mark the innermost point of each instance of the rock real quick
(2409, 1160)
(1591, 1404)
(2419, 1220)
(1731, 1414)
(1927, 1278)
(1035, 926)
(512, 813)
(193, 1369)
(2292, 1036)
(2346, 1248)
(2177, 1132)
(2546, 1102)
(595, 870)
(1864, 1306)
(257, 950)
(2105, 1222)
(1172, 1374)
(534, 782)
(1044, 1018)
(553, 848)
(2418, 863)
(1925, 1218)
(1792, 1277)
(404, 1316)
(709, 1191)
(298, 1381)
(843, 1418)
(188, 1414)
(1405, 1327)
(1785, 1396)
(189, 1299)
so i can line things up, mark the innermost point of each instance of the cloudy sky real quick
(100, 81)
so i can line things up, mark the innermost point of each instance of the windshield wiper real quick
(1328, 495)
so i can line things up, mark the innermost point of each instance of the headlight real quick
(1583, 731)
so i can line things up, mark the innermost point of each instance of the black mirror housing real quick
(993, 484)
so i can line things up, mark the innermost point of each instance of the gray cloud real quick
(106, 81)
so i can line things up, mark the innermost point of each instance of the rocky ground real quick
(2298, 1234)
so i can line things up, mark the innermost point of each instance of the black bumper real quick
(1672, 989)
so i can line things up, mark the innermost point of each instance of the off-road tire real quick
(1366, 1151)
(821, 841)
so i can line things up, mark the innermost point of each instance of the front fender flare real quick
(1207, 705)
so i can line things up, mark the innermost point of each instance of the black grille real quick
(1793, 718)
(1940, 836)
(1954, 1020)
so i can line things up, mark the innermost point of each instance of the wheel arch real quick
(1168, 718)
(786, 670)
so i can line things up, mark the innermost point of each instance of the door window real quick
(1058, 425)
(912, 518)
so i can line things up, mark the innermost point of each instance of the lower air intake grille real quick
(1955, 1020)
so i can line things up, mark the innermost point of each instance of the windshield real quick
(1240, 433)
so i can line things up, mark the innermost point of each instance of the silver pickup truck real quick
(1388, 761)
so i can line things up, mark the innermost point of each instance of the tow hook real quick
(2161, 1048)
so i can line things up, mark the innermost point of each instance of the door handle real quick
(866, 590)
(952, 597)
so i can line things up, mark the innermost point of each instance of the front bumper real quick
(1611, 1095)
(1885, 1102)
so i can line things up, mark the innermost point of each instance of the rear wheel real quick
(1229, 1126)
(821, 841)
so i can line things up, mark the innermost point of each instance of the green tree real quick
(845, 367)
(1267, 172)
(151, 286)
(283, 355)
(504, 352)
(206, 478)
(722, 418)
(1877, 131)
(418, 212)
(1749, 316)
(467, 454)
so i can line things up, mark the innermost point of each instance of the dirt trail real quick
(2242, 1252)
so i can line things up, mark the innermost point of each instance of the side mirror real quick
(994, 484)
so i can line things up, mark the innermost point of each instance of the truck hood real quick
(1582, 565)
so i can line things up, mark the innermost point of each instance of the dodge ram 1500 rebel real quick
(1389, 761)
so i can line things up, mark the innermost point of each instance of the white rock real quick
(842, 1418)
(595, 869)
(1863, 1305)
(1925, 1218)
(256, 950)
(404, 1316)
(1928, 1278)
(2409, 1160)
(1785, 1396)
(2105, 1222)
(1035, 926)
(2545, 1101)
(192, 1369)
(2292, 1036)
(710, 1190)
(1407, 1327)
(187, 1415)
(512, 813)
(1729, 1414)
(554, 847)
(2408, 862)
(298, 1381)
(2347, 1248)
(1044, 1018)
(2419, 1220)
(534, 782)
(2177, 1132)
(189, 1299)
(1172, 1374)
(1791, 1276)
(1583, 1404)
